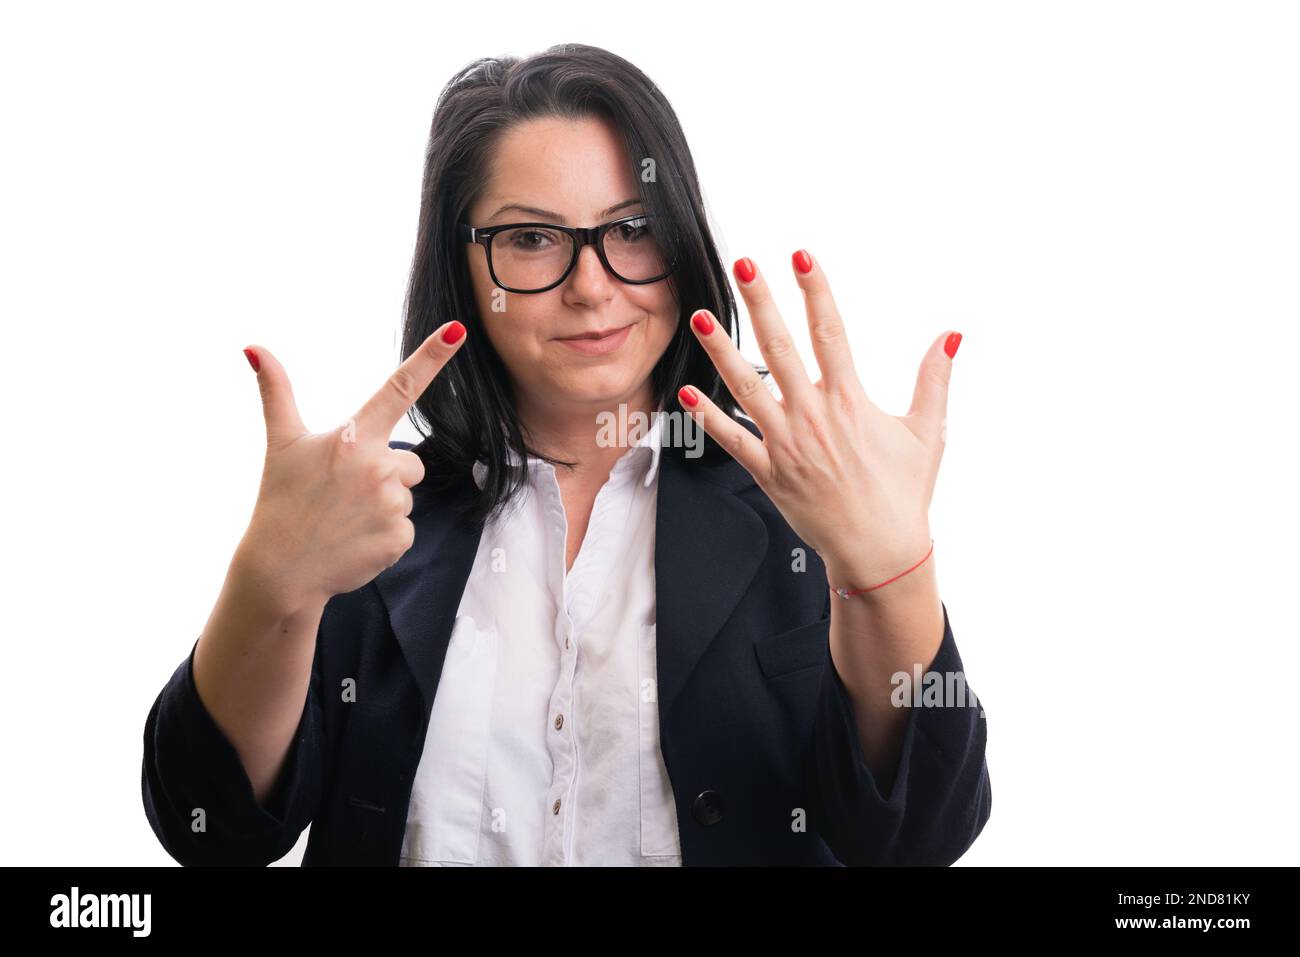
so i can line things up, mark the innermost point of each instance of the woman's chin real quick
(600, 386)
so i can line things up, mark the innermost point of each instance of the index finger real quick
(381, 413)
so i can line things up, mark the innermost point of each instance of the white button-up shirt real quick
(543, 743)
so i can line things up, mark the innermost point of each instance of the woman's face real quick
(574, 173)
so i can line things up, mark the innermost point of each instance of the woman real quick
(459, 653)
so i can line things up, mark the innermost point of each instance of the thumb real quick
(283, 423)
(930, 400)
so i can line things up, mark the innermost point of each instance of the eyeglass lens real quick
(533, 257)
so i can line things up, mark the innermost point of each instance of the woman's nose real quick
(589, 271)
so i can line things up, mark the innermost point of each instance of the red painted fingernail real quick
(951, 345)
(687, 395)
(745, 270)
(802, 262)
(453, 333)
(253, 360)
(702, 322)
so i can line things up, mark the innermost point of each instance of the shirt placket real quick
(576, 595)
(561, 744)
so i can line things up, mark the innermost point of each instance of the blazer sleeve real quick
(941, 796)
(190, 765)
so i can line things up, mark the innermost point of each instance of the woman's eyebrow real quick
(555, 217)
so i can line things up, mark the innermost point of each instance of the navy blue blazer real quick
(755, 722)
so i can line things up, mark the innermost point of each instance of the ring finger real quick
(739, 374)
(774, 340)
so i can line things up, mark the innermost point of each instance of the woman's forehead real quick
(573, 168)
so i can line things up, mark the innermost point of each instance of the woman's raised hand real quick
(332, 510)
(854, 482)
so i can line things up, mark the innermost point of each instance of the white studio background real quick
(1103, 197)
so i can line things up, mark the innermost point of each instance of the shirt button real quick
(559, 722)
(555, 808)
(566, 642)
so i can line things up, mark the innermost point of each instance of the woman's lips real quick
(598, 347)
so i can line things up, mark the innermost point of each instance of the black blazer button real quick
(707, 808)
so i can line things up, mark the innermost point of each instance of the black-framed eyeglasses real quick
(535, 257)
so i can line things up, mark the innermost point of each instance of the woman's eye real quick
(530, 240)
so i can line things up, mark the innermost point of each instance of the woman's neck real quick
(591, 436)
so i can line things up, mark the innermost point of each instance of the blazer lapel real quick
(422, 591)
(708, 546)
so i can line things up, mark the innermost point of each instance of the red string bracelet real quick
(845, 593)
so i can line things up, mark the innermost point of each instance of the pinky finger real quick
(743, 445)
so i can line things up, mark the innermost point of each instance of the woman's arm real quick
(935, 796)
(875, 636)
(252, 665)
(232, 772)
(233, 741)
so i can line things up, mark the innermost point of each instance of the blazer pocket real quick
(659, 835)
(446, 806)
(797, 649)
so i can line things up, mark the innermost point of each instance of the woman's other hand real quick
(332, 510)
(854, 482)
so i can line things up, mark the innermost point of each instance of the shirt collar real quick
(644, 454)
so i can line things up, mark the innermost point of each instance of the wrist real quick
(897, 608)
(877, 582)
(262, 581)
